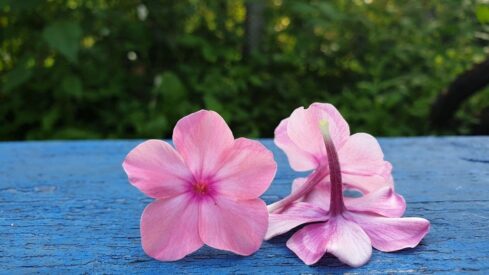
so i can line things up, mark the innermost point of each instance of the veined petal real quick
(338, 127)
(362, 154)
(169, 228)
(369, 183)
(299, 159)
(294, 215)
(236, 226)
(392, 234)
(157, 170)
(338, 236)
(248, 170)
(303, 130)
(202, 138)
(312, 180)
(362, 163)
(309, 243)
(320, 195)
(384, 202)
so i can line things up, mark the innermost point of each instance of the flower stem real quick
(337, 205)
(313, 179)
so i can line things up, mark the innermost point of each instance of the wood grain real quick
(68, 207)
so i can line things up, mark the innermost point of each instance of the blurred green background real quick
(131, 69)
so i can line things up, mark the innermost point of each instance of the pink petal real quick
(248, 170)
(338, 127)
(362, 163)
(297, 183)
(312, 180)
(369, 183)
(319, 195)
(169, 228)
(236, 226)
(300, 138)
(202, 138)
(299, 159)
(362, 154)
(309, 243)
(384, 202)
(338, 236)
(294, 215)
(303, 130)
(391, 234)
(156, 169)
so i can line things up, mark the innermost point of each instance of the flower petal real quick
(169, 228)
(338, 127)
(299, 159)
(309, 243)
(156, 169)
(248, 170)
(297, 183)
(297, 195)
(300, 138)
(384, 202)
(303, 130)
(294, 215)
(392, 234)
(202, 138)
(362, 163)
(338, 236)
(369, 183)
(319, 195)
(362, 154)
(236, 226)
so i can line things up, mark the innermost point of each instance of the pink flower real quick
(360, 156)
(347, 227)
(207, 189)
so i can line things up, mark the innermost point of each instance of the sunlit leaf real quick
(482, 13)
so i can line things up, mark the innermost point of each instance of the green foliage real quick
(482, 13)
(64, 36)
(132, 68)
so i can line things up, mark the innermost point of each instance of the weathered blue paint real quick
(67, 207)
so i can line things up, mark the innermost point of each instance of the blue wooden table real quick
(68, 207)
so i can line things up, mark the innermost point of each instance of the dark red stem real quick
(336, 205)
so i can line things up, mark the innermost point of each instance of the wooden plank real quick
(68, 207)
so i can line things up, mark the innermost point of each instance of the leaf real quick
(328, 10)
(173, 95)
(49, 119)
(64, 36)
(72, 86)
(19, 75)
(482, 14)
(209, 54)
(212, 103)
(170, 86)
(20, 5)
(155, 126)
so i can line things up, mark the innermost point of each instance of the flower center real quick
(201, 188)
